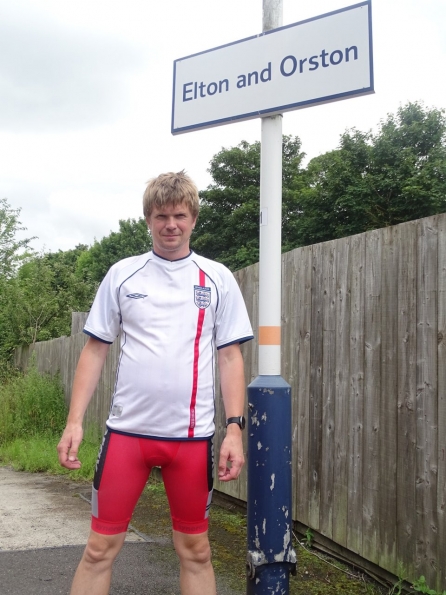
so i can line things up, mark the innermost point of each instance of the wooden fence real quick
(364, 349)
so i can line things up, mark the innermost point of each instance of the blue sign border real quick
(281, 108)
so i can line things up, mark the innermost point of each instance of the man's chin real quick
(170, 248)
(172, 252)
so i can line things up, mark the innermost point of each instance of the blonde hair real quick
(171, 189)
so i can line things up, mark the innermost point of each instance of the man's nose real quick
(171, 222)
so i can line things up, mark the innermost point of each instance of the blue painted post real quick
(271, 556)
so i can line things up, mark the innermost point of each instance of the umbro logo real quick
(136, 296)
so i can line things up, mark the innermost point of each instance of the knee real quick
(193, 549)
(102, 549)
(200, 553)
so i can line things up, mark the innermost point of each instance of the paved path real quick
(38, 511)
(44, 523)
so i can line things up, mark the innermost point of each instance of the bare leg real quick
(196, 572)
(93, 575)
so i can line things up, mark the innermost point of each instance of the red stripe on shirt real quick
(193, 400)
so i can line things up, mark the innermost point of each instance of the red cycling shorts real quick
(123, 468)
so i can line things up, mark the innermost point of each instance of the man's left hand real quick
(231, 451)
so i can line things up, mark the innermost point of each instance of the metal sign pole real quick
(270, 277)
(271, 556)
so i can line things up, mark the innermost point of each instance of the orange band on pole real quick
(269, 335)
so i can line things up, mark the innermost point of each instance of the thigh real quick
(188, 480)
(120, 477)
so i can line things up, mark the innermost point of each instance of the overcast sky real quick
(86, 87)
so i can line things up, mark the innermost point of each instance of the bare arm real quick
(232, 379)
(86, 378)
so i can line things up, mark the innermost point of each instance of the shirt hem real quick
(167, 438)
(240, 341)
(96, 337)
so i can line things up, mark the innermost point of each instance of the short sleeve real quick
(104, 319)
(232, 320)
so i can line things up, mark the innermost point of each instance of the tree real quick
(12, 250)
(228, 225)
(28, 304)
(75, 294)
(131, 239)
(38, 297)
(36, 304)
(371, 180)
(377, 180)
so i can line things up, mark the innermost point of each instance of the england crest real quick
(202, 296)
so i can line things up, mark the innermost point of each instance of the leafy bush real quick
(31, 405)
(32, 419)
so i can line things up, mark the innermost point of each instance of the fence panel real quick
(372, 394)
(315, 402)
(407, 355)
(356, 400)
(343, 293)
(328, 388)
(426, 400)
(301, 384)
(388, 406)
(441, 484)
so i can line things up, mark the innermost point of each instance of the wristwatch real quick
(240, 421)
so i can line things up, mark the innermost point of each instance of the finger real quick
(225, 475)
(64, 459)
(67, 450)
(72, 465)
(222, 463)
(72, 456)
(236, 469)
(62, 451)
(230, 473)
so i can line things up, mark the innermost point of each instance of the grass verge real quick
(32, 418)
(38, 454)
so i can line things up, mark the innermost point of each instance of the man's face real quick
(171, 228)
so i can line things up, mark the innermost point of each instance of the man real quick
(172, 308)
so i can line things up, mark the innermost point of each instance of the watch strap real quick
(240, 421)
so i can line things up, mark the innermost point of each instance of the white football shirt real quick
(171, 316)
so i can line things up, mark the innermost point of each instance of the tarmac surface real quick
(44, 524)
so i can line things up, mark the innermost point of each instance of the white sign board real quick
(322, 59)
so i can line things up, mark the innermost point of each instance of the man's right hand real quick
(69, 445)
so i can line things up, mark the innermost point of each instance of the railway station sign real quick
(319, 60)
